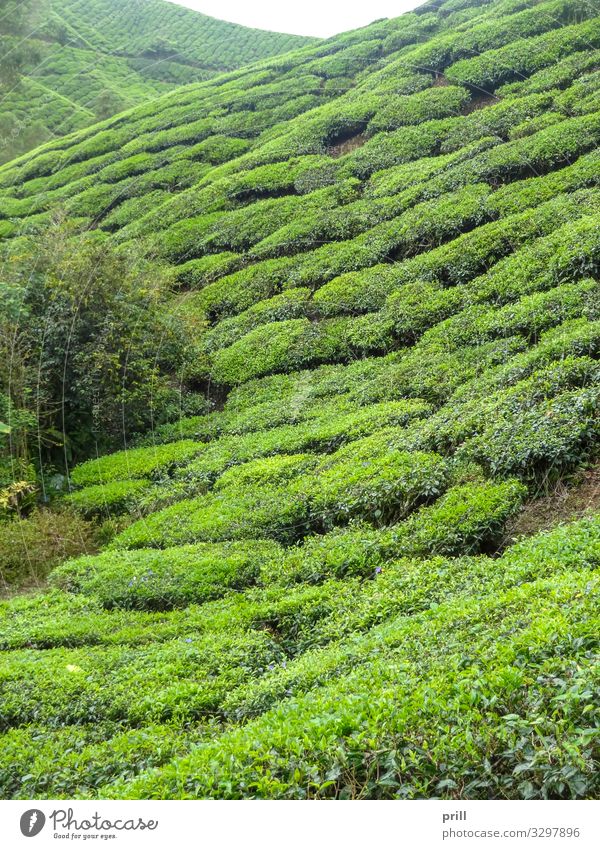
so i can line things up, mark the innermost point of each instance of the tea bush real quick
(383, 487)
(114, 497)
(56, 95)
(134, 463)
(177, 577)
(509, 668)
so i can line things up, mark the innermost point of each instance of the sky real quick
(305, 17)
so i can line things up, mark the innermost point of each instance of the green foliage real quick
(161, 580)
(467, 519)
(111, 498)
(84, 360)
(344, 326)
(133, 463)
(95, 754)
(416, 108)
(547, 440)
(174, 680)
(31, 547)
(365, 479)
(524, 57)
(17, 52)
(328, 726)
(45, 72)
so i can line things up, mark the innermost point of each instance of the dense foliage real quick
(357, 285)
(87, 342)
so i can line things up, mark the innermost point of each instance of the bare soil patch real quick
(570, 500)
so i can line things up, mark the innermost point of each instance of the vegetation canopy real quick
(299, 393)
(66, 64)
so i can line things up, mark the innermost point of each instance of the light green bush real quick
(177, 577)
(110, 498)
(134, 463)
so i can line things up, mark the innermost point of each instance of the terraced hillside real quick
(388, 245)
(92, 58)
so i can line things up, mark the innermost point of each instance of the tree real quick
(87, 345)
(108, 103)
(162, 47)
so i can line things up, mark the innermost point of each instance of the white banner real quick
(316, 825)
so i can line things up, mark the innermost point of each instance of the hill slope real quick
(93, 58)
(389, 246)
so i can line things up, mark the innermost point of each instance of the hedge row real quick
(321, 733)
(134, 463)
(361, 479)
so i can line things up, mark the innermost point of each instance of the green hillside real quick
(348, 301)
(88, 59)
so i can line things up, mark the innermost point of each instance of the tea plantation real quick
(386, 250)
(88, 59)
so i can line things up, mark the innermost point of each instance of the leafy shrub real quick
(415, 108)
(176, 577)
(116, 344)
(467, 256)
(288, 305)
(358, 699)
(546, 441)
(363, 479)
(523, 57)
(110, 498)
(179, 679)
(83, 756)
(324, 429)
(134, 463)
(466, 519)
(361, 328)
